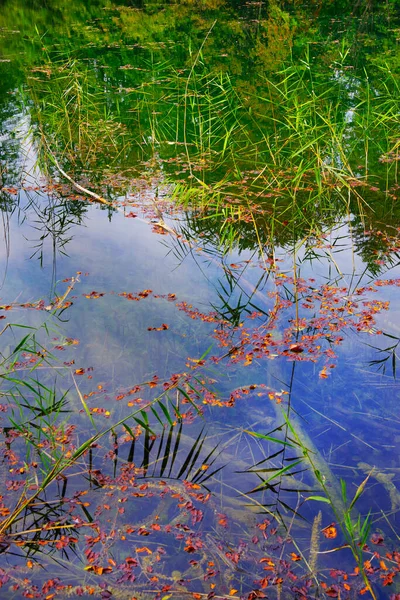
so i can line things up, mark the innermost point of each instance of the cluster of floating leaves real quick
(311, 320)
(305, 323)
(135, 535)
(131, 546)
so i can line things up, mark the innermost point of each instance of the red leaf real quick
(296, 348)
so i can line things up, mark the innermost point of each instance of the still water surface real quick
(244, 273)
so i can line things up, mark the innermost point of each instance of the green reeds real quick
(355, 529)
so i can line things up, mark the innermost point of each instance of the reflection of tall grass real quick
(198, 109)
(301, 143)
(72, 114)
(384, 124)
(312, 137)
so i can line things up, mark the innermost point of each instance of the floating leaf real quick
(330, 531)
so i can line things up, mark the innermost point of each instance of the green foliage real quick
(354, 528)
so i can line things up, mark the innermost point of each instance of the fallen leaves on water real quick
(324, 373)
(248, 359)
(100, 411)
(163, 327)
(377, 539)
(330, 531)
(295, 557)
(332, 592)
(296, 348)
(94, 295)
(10, 190)
(137, 296)
(98, 570)
(160, 230)
(388, 579)
(223, 521)
(144, 549)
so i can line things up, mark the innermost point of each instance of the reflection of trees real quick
(245, 48)
(286, 140)
(199, 124)
(251, 34)
(271, 224)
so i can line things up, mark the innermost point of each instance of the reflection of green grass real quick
(295, 154)
(315, 143)
(71, 114)
(314, 147)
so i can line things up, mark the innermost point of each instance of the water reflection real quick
(231, 304)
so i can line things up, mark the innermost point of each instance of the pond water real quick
(199, 295)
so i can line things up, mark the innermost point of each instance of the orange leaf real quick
(98, 570)
(295, 557)
(324, 373)
(144, 549)
(330, 532)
